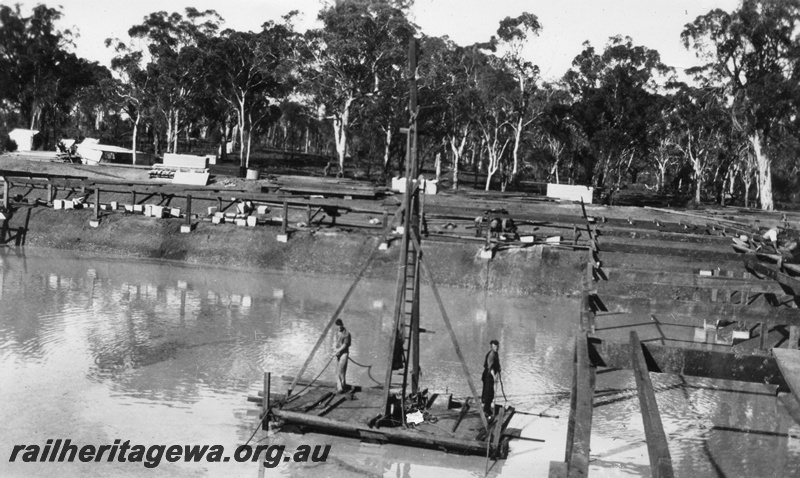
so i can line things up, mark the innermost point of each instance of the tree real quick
(617, 101)
(129, 90)
(753, 54)
(514, 34)
(249, 70)
(39, 78)
(174, 62)
(344, 63)
(698, 125)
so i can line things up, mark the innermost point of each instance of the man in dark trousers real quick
(491, 373)
(342, 352)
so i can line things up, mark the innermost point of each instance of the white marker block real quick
(69, 204)
(481, 315)
(113, 205)
(262, 209)
(241, 222)
(283, 238)
(94, 223)
(175, 212)
(399, 230)
(148, 210)
(741, 335)
(186, 228)
(486, 253)
(252, 221)
(138, 208)
(527, 239)
(554, 240)
(157, 211)
(217, 220)
(58, 204)
(384, 246)
(277, 293)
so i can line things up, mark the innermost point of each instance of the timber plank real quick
(660, 460)
(584, 394)
(657, 277)
(696, 313)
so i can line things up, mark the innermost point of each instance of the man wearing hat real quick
(491, 373)
(342, 353)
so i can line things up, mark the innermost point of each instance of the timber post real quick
(5, 194)
(283, 235)
(265, 403)
(187, 227)
(97, 204)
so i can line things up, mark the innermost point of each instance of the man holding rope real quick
(491, 373)
(342, 353)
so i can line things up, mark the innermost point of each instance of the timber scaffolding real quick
(748, 332)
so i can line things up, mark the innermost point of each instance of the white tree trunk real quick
(340, 128)
(135, 133)
(175, 132)
(764, 173)
(386, 148)
(517, 141)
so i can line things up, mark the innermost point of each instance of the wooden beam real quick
(690, 361)
(660, 460)
(582, 414)
(695, 313)
(657, 277)
(789, 283)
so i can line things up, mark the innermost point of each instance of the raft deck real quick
(447, 426)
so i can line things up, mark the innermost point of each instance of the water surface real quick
(96, 349)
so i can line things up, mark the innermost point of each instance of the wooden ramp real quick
(448, 425)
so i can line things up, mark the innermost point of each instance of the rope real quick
(369, 370)
(503, 389)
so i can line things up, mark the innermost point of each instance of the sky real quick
(566, 24)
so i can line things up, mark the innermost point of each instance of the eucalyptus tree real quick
(449, 95)
(514, 34)
(347, 61)
(617, 100)
(698, 128)
(556, 131)
(494, 88)
(174, 61)
(753, 54)
(251, 73)
(129, 90)
(40, 80)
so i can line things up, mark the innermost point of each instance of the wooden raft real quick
(456, 429)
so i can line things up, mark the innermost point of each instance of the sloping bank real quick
(534, 270)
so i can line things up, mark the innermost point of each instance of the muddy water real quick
(96, 349)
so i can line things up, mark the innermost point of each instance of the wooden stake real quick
(97, 204)
(189, 210)
(266, 404)
(285, 219)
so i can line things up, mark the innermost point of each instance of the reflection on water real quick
(94, 350)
